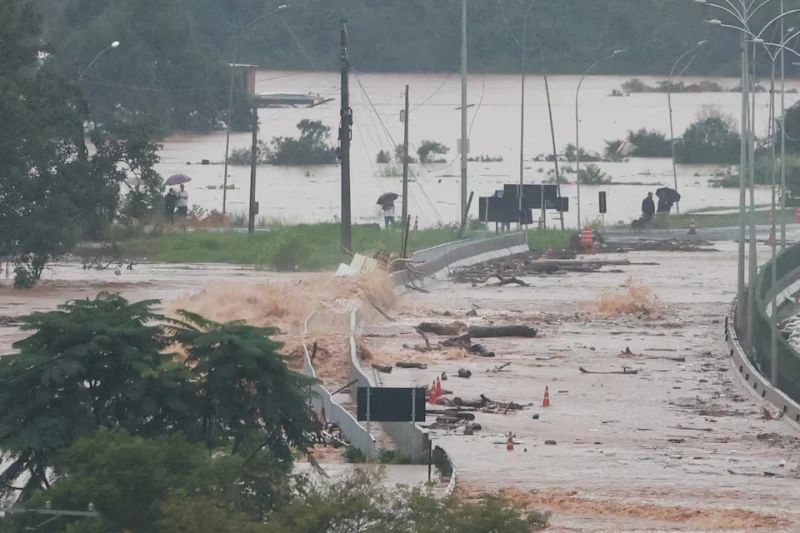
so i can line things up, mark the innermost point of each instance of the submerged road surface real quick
(681, 445)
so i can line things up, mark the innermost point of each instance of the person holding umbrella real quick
(386, 201)
(666, 199)
(182, 202)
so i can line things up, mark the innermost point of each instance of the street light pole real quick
(669, 104)
(578, 131)
(464, 139)
(229, 118)
(783, 144)
(115, 44)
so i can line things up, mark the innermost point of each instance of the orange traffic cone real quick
(546, 401)
(432, 394)
(510, 443)
(692, 228)
(797, 215)
(438, 388)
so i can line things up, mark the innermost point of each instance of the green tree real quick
(89, 364)
(244, 386)
(709, 140)
(144, 485)
(360, 503)
(428, 149)
(591, 174)
(312, 148)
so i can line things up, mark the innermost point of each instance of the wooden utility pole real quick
(405, 168)
(251, 218)
(345, 135)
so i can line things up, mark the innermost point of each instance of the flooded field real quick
(312, 194)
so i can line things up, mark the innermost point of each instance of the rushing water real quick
(312, 194)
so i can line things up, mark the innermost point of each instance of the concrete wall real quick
(353, 431)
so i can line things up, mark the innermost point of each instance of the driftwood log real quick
(386, 369)
(447, 330)
(487, 332)
(418, 366)
(478, 332)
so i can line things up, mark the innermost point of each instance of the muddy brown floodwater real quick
(679, 446)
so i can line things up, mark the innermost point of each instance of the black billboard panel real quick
(391, 404)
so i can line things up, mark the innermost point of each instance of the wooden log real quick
(417, 366)
(487, 332)
(450, 330)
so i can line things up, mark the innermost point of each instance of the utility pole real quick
(405, 169)
(464, 139)
(251, 219)
(345, 135)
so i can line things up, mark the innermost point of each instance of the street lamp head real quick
(790, 30)
(115, 44)
(617, 52)
(281, 7)
(714, 22)
(699, 1)
(757, 40)
(701, 43)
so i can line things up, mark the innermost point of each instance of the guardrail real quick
(756, 366)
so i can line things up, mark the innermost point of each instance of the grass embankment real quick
(302, 247)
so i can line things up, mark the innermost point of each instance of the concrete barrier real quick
(353, 431)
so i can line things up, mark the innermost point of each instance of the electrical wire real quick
(388, 133)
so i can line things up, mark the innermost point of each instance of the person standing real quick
(664, 207)
(388, 213)
(183, 203)
(170, 201)
(648, 208)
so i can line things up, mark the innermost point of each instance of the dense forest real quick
(173, 59)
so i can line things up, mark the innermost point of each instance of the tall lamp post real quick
(743, 14)
(113, 45)
(669, 103)
(230, 99)
(577, 129)
(83, 151)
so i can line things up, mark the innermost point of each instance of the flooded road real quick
(681, 445)
(312, 194)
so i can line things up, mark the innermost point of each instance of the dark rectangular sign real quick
(391, 404)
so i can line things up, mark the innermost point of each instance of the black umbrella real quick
(668, 195)
(387, 198)
(177, 179)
